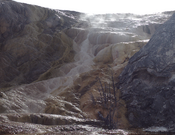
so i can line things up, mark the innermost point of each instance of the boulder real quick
(147, 83)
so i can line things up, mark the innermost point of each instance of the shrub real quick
(108, 99)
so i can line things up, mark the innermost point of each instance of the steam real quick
(105, 31)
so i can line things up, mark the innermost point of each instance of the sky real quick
(107, 6)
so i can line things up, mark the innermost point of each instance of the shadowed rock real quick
(147, 82)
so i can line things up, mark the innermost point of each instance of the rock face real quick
(35, 42)
(31, 41)
(148, 81)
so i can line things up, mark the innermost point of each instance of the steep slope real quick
(51, 61)
(147, 82)
(31, 41)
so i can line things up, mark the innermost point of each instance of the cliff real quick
(147, 82)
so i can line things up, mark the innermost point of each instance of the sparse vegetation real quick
(109, 100)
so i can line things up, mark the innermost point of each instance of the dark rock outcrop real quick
(148, 81)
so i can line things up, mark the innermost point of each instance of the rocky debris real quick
(27, 128)
(47, 119)
(86, 127)
(36, 123)
(147, 82)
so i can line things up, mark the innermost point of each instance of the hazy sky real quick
(107, 6)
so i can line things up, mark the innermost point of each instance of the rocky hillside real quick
(147, 82)
(31, 41)
(51, 62)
